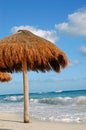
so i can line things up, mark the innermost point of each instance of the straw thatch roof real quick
(4, 77)
(39, 54)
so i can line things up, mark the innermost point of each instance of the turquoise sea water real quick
(59, 106)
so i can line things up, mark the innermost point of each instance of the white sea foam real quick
(43, 111)
(62, 108)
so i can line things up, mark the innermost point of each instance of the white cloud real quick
(47, 34)
(83, 49)
(76, 24)
(56, 79)
(64, 79)
(74, 62)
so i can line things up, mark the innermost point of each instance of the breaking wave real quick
(13, 99)
(81, 100)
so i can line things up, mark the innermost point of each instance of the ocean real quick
(59, 106)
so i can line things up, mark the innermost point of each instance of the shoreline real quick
(14, 121)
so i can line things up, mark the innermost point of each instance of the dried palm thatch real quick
(38, 53)
(4, 77)
(24, 51)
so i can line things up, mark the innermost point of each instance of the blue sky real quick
(62, 22)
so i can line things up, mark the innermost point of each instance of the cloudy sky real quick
(61, 21)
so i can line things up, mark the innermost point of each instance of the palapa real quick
(24, 51)
(38, 53)
(4, 77)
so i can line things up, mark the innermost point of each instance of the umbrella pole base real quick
(26, 121)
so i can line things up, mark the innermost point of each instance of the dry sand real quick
(12, 121)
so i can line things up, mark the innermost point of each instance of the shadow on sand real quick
(5, 129)
(11, 121)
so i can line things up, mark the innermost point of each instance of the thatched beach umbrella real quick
(24, 51)
(4, 77)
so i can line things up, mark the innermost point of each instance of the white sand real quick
(12, 121)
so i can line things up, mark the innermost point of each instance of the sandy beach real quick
(13, 121)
